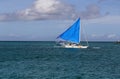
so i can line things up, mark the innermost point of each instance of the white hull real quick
(75, 46)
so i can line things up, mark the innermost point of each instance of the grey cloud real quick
(9, 17)
(92, 11)
(53, 9)
(99, 1)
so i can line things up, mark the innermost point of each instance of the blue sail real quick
(72, 33)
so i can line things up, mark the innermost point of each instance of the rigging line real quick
(85, 36)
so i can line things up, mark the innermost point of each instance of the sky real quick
(44, 20)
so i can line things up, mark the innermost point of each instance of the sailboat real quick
(71, 38)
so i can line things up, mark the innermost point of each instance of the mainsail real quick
(72, 34)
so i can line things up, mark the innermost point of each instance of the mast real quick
(80, 31)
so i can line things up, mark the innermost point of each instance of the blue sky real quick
(44, 20)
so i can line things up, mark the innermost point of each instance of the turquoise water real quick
(41, 60)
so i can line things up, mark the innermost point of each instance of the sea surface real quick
(44, 60)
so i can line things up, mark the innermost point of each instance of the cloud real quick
(111, 36)
(99, 1)
(43, 9)
(104, 20)
(9, 17)
(92, 11)
(51, 9)
(103, 37)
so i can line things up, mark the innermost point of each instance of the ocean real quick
(42, 60)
